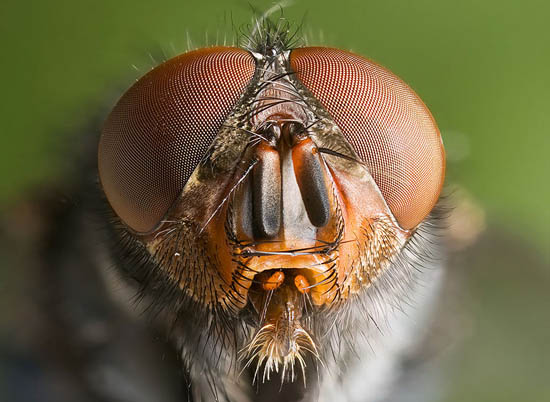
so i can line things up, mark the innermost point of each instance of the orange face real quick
(270, 182)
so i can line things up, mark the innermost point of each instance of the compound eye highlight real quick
(386, 123)
(161, 128)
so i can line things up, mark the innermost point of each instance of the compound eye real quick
(386, 123)
(162, 126)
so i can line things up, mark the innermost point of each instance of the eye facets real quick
(161, 128)
(387, 124)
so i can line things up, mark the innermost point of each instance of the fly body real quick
(275, 204)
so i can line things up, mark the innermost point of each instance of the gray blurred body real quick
(91, 341)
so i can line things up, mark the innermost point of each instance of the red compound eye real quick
(387, 124)
(161, 128)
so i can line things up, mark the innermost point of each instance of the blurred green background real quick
(482, 67)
